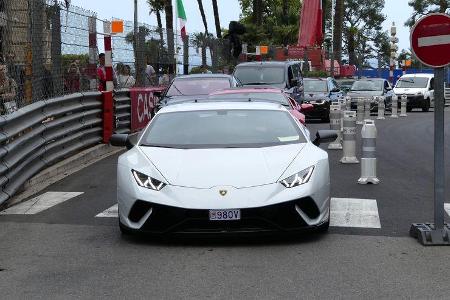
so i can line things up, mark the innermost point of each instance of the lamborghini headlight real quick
(299, 178)
(147, 181)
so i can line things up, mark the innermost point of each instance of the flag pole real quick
(176, 38)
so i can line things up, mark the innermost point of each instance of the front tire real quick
(426, 108)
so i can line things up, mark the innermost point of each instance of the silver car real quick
(226, 167)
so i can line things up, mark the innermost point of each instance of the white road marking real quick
(447, 208)
(40, 203)
(112, 212)
(434, 40)
(349, 212)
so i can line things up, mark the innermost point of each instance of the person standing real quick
(101, 73)
(125, 79)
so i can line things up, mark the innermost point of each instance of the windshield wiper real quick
(178, 90)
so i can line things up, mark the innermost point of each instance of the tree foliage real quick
(268, 21)
(424, 7)
(362, 22)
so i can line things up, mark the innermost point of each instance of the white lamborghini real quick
(223, 167)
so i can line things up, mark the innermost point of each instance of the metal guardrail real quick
(43, 133)
(122, 111)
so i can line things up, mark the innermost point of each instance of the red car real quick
(266, 93)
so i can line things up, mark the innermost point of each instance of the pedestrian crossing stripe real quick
(345, 212)
(40, 203)
(111, 212)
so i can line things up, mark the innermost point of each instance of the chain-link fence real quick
(48, 50)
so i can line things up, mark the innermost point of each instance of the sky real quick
(395, 10)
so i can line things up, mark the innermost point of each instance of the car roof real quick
(266, 63)
(425, 75)
(222, 105)
(247, 90)
(218, 75)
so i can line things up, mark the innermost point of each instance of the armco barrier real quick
(45, 132)
(134, 107)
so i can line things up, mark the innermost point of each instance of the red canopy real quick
(310, 33)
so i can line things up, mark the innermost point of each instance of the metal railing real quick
(122, 111)
(43, 133)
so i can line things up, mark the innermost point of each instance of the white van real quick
(419, 88)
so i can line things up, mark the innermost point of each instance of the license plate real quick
(224, 214)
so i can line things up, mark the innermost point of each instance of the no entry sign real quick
(430, 40)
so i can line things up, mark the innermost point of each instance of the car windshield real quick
(276, 97)
(260, 75)
(222, 129)
(367, 85)
(412, 82)
(197, 86)
(315, 86)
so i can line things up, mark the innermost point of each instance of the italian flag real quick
(182, 18)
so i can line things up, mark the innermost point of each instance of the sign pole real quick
(430, 43)
(439, 168)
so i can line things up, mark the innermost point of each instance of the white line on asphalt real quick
(112, 212)
(447, 208)
(349, 212)
(434, 40)
(40, 203)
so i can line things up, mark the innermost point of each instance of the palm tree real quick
(202, 12)
(338, 23)
(168, 9)
(156, 6)
(216, 19)
(202, 41)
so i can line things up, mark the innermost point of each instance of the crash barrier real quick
(381, 107)
(394, 106)
(335, 124)
(447, 96)
(45, 132)
(403, 102)
(134, 108)
(367, 106)
(349, 138)
(360, 110)
(368, 158)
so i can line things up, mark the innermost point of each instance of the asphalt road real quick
(65, 252)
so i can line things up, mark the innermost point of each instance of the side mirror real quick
(325, 136)
(307, 107)
(122, 140)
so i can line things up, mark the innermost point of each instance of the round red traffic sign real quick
(430, 40)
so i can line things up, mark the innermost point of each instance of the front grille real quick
(138, 210)
(309, 207)
(277, 217)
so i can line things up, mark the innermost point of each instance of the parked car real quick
(286, 75)
(196, 86)
(321, 92)
(368, 88)
(345, 84)
(419, 88)
(265, 93)
(225, 168)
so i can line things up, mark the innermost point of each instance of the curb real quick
(63, 169)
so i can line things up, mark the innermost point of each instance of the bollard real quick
(368, 159)
(349, 138)
(381, 107)
(403, 102)
(367, 106)
(335, 124)
(394, 106)
(360, 111)
(348, 103)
